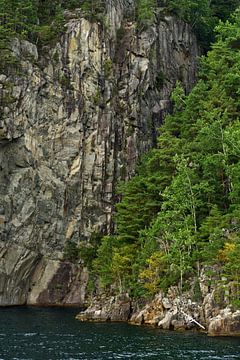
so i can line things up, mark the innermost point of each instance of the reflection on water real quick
(54, 334)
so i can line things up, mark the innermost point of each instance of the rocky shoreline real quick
(167, 312)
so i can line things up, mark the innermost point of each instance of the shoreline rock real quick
(179, 314)
(226, 323)
(112, 309)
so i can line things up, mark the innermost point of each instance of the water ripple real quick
(54, 334)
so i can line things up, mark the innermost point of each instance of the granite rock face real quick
(74, 120)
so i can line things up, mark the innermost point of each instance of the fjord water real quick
(54, 334)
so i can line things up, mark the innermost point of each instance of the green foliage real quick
(160, 80)
(39, 21)
(16, 17)
(88, 251)
(152, 274)
(94, 9)
(224, 8)
(199, 14)
(51, 21)
(141, 196)
(202, 15)
(71, 252)
(197, 294)
(97, 98)
(65, 82)
(231, 258)
(108, 67)
(182, 208)
(102, 265)
(46, 34)
(85, 252)
(145, 12)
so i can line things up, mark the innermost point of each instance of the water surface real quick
(54, 334)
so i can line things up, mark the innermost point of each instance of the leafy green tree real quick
(184, 201)
(202, 15)
(102, 265)
(155, 269)
(224, 8)
(121, 266)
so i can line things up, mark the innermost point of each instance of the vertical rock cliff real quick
(75, 117)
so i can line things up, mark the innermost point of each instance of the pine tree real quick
(182, 208)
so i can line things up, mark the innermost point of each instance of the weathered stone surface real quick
(166, 322)
(74, 122)
(154, 313)
(16, 268)
(166, 303)
(226, 323)
(114, 309)
(172, 311)
(150, 314)
(178, 325)
(58, 283)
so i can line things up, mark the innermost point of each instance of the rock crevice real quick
(73, 122)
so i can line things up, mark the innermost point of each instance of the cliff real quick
(75, 117)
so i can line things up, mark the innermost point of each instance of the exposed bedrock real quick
(209, 309)
(227, 323)
(74, 120)
(168, 312)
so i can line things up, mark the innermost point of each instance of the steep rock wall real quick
(74, 120)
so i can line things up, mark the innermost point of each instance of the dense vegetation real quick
(41, 20)
(202, 15)
(182, 209)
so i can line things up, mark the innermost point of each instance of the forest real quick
(41, 21)
(181, 211)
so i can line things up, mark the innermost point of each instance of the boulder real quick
(165, 323)
(150, 314)
(179, 325)
(166, 303)
(225, 324)
(110, 309)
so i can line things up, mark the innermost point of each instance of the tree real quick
(183, 204)
(145, 12)
(102, 265)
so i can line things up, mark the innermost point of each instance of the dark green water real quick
(54, 334)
